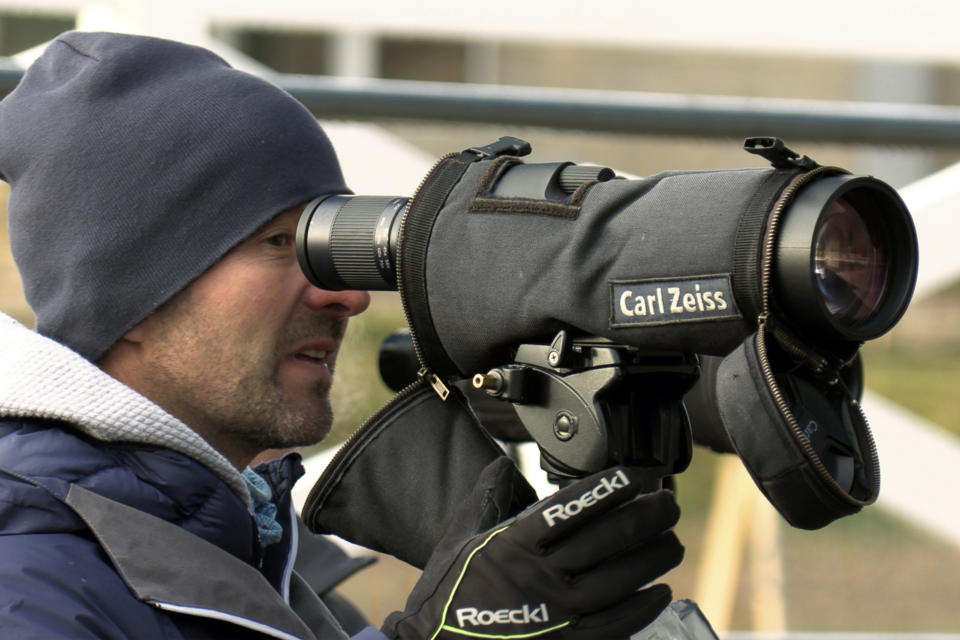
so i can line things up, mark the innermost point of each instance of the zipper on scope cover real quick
(423, 373)
(766, 269)
(427, 202)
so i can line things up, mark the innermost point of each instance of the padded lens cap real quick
(806, 446)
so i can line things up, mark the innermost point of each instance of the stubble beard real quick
(235, 393)
(268, 419)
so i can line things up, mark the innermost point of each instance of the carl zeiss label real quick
(641, 302)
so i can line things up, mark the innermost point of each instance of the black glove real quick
(568, 567)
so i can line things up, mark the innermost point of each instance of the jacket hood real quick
(42, 379)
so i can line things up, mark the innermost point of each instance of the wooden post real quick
(740, 519)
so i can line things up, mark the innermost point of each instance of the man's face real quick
(245, 354)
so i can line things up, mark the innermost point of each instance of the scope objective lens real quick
(851, 264)
(846, 260)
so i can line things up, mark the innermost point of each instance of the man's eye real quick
(278, 240)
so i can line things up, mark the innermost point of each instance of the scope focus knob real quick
(573, 176)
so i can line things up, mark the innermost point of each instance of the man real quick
(155, 193)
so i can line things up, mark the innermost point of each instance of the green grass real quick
(925, 381)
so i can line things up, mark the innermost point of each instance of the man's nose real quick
(339, 303)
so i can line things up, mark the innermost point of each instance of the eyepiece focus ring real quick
(350, 242)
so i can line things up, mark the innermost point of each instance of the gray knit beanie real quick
(135, 164)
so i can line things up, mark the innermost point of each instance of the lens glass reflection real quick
(850, 263)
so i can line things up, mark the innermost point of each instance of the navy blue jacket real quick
(74, 565)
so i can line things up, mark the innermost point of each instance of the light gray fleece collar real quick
(40, 378)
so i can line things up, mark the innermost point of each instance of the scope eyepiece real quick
(350, 242)
(845, 259)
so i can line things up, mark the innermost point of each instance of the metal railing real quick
(691, 116)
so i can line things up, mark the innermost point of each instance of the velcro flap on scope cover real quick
(398, 483)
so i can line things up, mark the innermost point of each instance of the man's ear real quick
(136, 335)
(118, 358)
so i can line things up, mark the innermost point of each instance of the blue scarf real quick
(263, 509)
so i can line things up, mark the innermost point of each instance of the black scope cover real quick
(647, 262)
(671, 262)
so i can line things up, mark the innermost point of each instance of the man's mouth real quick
(315, 356)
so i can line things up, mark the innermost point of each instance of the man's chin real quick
(307, 428)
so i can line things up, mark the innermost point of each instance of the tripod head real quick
(590, 404)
